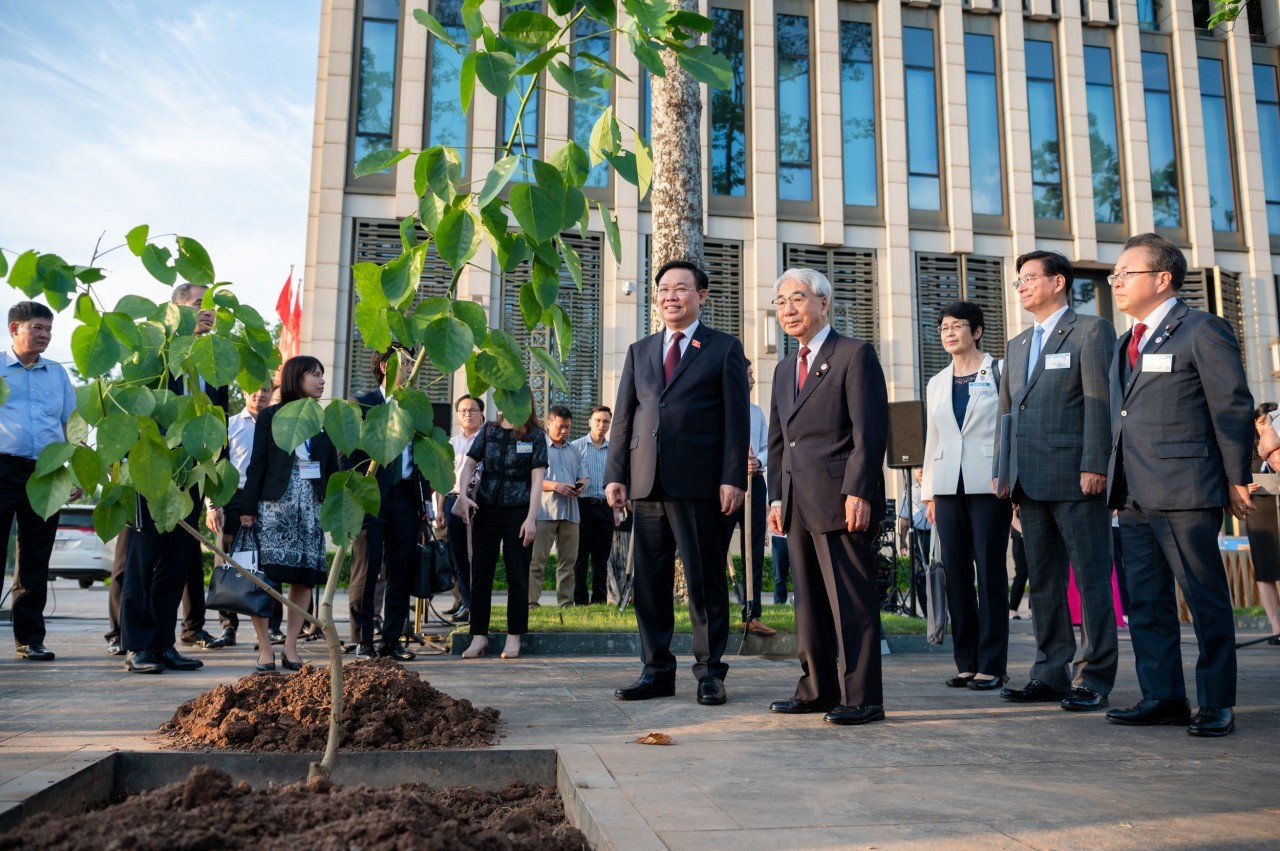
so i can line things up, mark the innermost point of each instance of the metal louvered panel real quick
(582, 369)
(1228, 304)
(944, 278)
(855, 302)
(722, 261)
(984, 286)
(378, 241)
(1195, 290)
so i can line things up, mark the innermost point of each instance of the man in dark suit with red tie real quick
(1182, 435)
(828, 428)
(678, 448)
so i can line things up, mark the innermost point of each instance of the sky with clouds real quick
(190, 117)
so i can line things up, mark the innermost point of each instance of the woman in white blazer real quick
(971, 523)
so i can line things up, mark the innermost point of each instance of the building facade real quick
(910, 149)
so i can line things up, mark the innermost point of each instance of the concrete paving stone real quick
(881, 837)
(1235, 831)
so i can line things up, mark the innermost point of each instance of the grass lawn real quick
(608, 619)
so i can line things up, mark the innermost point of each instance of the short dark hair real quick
(379, 363)
(748, 361)
(559, 411)
(291, 376)
(25, 311)
(464, 397)
(966, 311)
(1165, 256)
(1264, 409)
(699, 276)
(1054, 264)
(602, 409)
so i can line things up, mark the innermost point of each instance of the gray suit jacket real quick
(1179, 437)
(1058, 422)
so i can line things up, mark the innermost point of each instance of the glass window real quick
(646, 106)
(1264, 83)
(795, 149)
(1217, 143)
(924, 186)
(1104, 144)
(1042, 98)
(858, 114)
(446, 122)
(526, 141)
(729, 107)
(1200, 12)
(590, 36)
(984, 124)
(1147, 15)
(375, 103)
(1161, 140)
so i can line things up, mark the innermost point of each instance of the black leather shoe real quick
(958, 681)
(850, 716)
(175, 661)
(796, 706)
(711, 691)
(205, 641)
(143, 662)
(1150, 712)
(228, 638)
(647, 686)
(290, 665)
(986, 685)
(395, 651)
(35, 653)
(463, 615)
(1212, 722)
(1082, 699)
(1035, 692)
(115, 648)
(365, 652)
(269, 667)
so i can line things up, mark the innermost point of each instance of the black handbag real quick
(231, 591)
(435, 571)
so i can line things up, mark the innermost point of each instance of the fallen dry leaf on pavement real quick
(654, 739)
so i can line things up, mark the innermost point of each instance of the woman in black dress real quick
(1263, 529)
(282, 496)
(504, 513)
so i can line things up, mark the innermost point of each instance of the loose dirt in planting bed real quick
(385, 708)
(208, 811)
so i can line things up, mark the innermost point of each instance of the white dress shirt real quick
(667, 334)
(814, 346)
(461, 446)
(240, 429)
(1154, 320)
(1052, 322)
(760, 436)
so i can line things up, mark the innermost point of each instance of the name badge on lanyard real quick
(309, 469)
(524, 447)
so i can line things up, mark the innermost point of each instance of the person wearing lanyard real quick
(282, 495)
(34, 415)
(469, 413)
(596, 530)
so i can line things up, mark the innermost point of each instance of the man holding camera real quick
(558, 516)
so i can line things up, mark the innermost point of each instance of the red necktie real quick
(1135, 344)
(673, 356)
(804, 369)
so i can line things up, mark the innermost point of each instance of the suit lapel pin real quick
(1061, 332)
(822, 368)
(697, 344)
(1159, 340)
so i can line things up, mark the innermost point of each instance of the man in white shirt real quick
(468, 412)
(558, 515)
(595, 531)
(757, 456)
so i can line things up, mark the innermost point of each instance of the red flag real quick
(285, 300)
(295, 324)
(289, 309)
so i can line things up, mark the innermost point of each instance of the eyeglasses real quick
(795, 300)
(469, 412)
(956, 328)
(678, 292)
(1123, 277)
(1027, 279)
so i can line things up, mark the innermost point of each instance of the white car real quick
(78, 552)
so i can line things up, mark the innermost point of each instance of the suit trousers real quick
(1019, 585)
(458, 546)
(695, 528)
(759, 502)
(1074, 533)
(116, 589)
(837, 617)
(564, 535)
(781, 568)
(1161, 547)
(973, 531)
(193, 609)
(390, 544)
(31, 559)
(155, 574)
(494, 526)
(595, 541)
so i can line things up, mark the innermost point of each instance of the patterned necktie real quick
(803, 372)
(1135, 344)
(1036, 342)
(673, 356)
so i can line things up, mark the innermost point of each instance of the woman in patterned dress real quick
(282, 496)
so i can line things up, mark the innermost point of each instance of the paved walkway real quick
(951, 768)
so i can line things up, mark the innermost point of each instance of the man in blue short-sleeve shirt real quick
(34, 415)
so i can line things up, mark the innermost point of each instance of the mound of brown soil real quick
(209, 812)
(385, 708)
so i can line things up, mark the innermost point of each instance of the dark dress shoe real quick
(1082, 699)
(143, 662)
(205, 641)
(711, 691)
(958, 681)
(289, 665)
(395, 651)
(1150, 712)
(1035, 692)
(1274, 640)
(269, 667)
(796, 706)
(228, 638)
(850, 716)
(35, 653)
(986, 685)
(1212, 722)
(365, 652)
(115, 648)
(647, 686)
(175, 661)
(463, 615)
